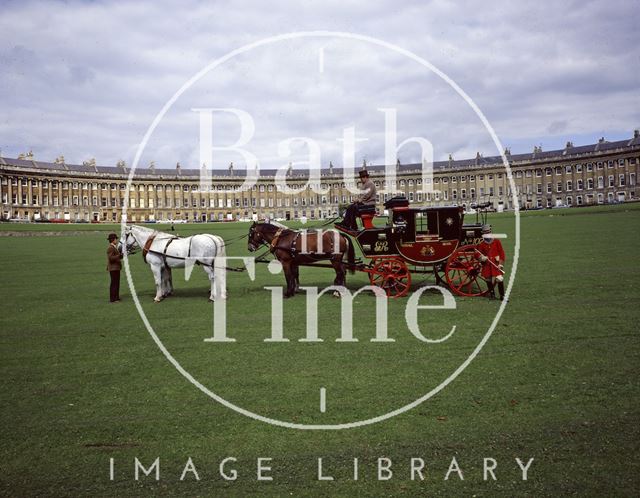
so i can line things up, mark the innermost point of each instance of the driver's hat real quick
(486, 229)
(363, 173)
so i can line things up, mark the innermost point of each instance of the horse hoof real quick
(156, 300)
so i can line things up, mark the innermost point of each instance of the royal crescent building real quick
(601, 173)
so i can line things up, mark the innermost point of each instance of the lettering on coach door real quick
(381, 246)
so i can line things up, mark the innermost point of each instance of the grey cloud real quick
(87, 78)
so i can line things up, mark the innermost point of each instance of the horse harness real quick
(147, 249)
(274, 245)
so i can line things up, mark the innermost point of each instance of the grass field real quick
(83, 382)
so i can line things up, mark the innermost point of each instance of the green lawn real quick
(83, 381)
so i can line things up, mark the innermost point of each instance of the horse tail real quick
(351, 256)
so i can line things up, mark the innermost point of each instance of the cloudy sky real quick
(86, 79)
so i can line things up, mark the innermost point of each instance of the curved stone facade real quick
(605, 172)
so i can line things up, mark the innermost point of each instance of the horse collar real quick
(274, 241)
(147, 246)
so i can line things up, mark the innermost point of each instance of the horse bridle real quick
(261, 240)
(131, 248)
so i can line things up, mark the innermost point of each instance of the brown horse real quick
(295, 247)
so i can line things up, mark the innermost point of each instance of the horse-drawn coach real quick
(418, 240)
(414, 240)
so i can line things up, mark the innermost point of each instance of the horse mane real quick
(270, 227)
(152, 230)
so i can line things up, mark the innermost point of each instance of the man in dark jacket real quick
(114, 265)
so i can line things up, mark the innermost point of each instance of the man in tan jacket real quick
(365, 202)
(114, 265)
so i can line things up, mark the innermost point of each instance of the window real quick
(569, 169)
(549, 188)
(579, 200)
(538, 173)
(559, 187)
(611, 180)
(491, 176)
(500, 190)
(547, 171)
(473, 193)
(589, 183)
(579, 168)
(558, 170)
(621, 180)
(601, 182)
(599, 164)
(490, 191)
(569, 185)
(527, 174)
(539, 188)
(589, 167)
(579, 184)
(632, 179)
(610, 164)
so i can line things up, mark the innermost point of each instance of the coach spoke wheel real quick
(463, 273)
(391, 275)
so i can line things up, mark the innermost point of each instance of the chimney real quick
(364, 164)
(330, 168)
(569, 145)
(398, 164)
(636, 133)
(450, 159)
(121, 165)
(152, 166)
(601, 140)
(478, 157)
(59, 160)
(178, 169)
(507, 151)
(231, 168)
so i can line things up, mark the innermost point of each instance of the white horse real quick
(163, 251)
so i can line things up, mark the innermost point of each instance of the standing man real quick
(114, 265)
(365, 201)
(492, 258)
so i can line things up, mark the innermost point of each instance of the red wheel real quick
(391, 275)
(463, 273)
